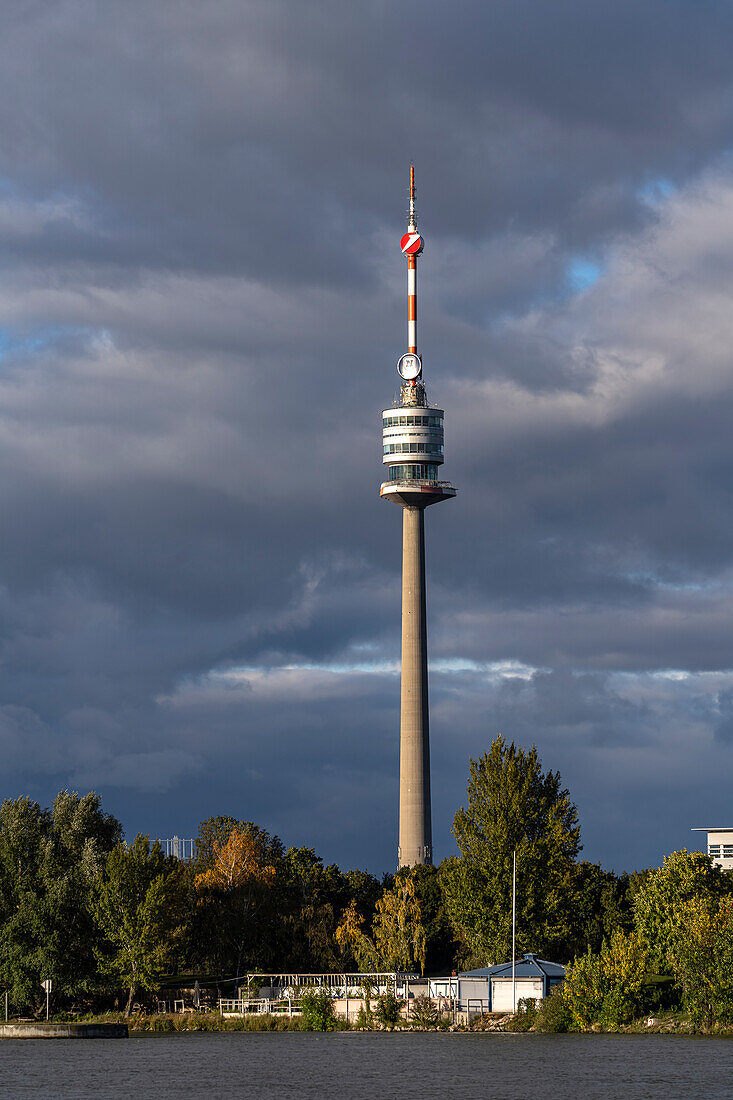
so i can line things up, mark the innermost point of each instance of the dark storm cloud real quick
(200, 302)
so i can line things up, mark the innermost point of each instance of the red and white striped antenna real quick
(412, 245)
(412, 224)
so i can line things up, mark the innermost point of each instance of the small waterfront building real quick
(719, 846)
(533, 980)
(489, 989)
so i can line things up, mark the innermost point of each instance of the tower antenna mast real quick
(412, 223)
(412, 247)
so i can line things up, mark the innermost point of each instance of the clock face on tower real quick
(409, 366)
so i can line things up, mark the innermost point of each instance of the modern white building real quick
(720, 845)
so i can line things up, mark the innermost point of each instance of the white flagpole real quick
(514, 933)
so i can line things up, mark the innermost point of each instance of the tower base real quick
(415, 816)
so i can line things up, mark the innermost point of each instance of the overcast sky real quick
(202, 301)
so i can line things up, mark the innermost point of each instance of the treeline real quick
(109, 921)
(678, 954)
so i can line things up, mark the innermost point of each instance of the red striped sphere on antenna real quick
(411, 244)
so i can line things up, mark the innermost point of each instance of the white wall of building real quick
(720, 846)
(501, 992)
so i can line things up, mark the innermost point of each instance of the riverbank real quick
(671, 1023)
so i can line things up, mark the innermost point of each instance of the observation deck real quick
(412, 491)
(412, 449)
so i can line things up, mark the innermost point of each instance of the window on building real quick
(412, 421)
(422, 471)
(412, 448)
(728, 851)
(714, 850)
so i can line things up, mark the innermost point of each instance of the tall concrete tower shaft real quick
(412, 438)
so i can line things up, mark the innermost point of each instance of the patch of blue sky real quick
(702, 676)
(6, 341)
(582, 273)
(656, 190)
(10, 188)
(650, 579)
(30, 341)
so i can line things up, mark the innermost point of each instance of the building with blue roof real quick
(489, 989)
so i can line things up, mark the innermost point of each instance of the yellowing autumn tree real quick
(702, 958)
(658, 906)
(606, 987)
(236, 863)
(349, 931)
(354, 942)
(399, 933)
(234, 890)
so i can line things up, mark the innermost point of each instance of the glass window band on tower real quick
(414, 471)
(412, 448)
(417, 437)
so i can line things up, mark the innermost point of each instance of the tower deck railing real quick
(419, 481)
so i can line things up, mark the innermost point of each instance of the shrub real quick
(553, 1015)
(317, 1011)
(660, 993)
(366, 1016)
(388, 1009)
(606, 988)
(525, 1016)
(423, 1012)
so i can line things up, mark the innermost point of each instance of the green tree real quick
(512, 804)
(49, 862)
(140, 906)
(702, 958)
(661, 897)
(606, 987)
(313, 896)
(365, 889)
(600, 905)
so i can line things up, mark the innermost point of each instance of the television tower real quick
(412, 438)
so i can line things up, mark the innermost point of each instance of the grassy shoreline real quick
(675, 1024)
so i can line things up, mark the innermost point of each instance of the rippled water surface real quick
(355, 1065)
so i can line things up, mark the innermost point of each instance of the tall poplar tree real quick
(50, 861)
(512, 804)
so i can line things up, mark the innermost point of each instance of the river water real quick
(356, 1065)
